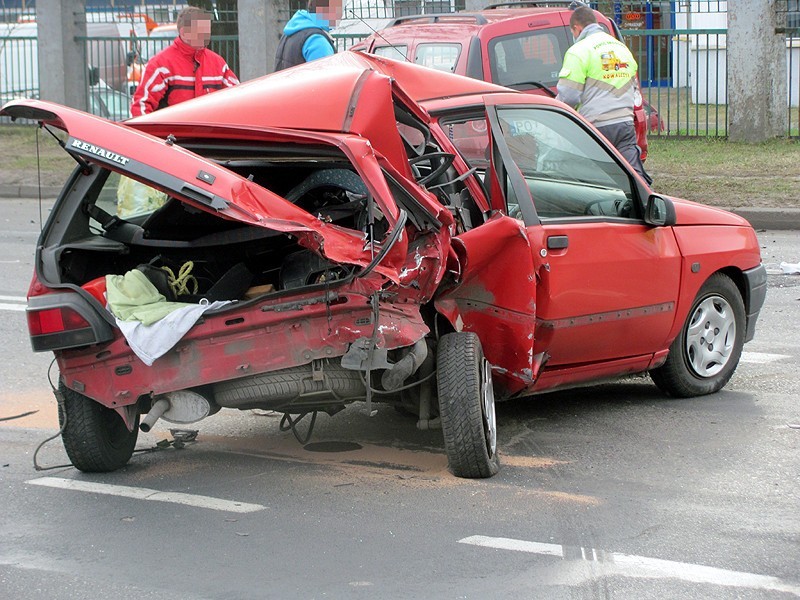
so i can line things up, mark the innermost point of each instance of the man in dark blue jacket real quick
(305, 37)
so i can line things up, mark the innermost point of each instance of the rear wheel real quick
(466, 406)
(705, 354)
(95, 437)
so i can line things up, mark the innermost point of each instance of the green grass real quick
(18, 155)
(728, 174)
(681, 116)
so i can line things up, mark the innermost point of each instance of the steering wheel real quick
(446, 160)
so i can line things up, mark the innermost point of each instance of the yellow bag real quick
(134, 198)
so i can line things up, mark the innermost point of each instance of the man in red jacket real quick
(185, 69)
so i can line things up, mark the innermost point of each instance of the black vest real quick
(290, 48)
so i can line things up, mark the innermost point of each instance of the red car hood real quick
(693, 213)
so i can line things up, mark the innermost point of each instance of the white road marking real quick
(147, 494)
(23, 301)
(642, 567)
(16, 307)
(761, 358)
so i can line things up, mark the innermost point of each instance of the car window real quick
(568, 173)
(127, 198)
(470, 136)
(530, 56)
(118, 105)
(397, 52)
(442, 57)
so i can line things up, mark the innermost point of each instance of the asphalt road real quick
(612, 491)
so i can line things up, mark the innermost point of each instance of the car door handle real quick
(557, 242)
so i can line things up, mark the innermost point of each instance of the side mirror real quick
(94, 75)
(659, 211)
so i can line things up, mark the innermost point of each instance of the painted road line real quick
(605, 563)
(17, 307)
(147, 494)
(761, 358)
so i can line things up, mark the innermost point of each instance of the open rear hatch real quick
(205, 185)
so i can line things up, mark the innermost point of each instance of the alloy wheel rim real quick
(710, 336)
(487, 401)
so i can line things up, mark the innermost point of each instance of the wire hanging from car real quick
(62, 411)
(86, 167)
(19, 416)
(288, 423)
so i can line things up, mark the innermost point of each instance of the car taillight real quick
(55, 320)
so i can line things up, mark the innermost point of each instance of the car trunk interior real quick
(228, 259)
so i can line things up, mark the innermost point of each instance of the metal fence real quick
(121, 40)
(113, 61)
(791, 20)
(680, 47)
(685, 85)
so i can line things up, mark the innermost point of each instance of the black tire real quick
(466, 406)
(278, 390)
(697, 365)
(96, 438)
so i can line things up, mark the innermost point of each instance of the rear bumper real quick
(755, 293)
(237, 343)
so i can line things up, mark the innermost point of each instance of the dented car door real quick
(608, 282)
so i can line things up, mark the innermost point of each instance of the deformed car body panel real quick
(297, 323)
(230, 345)
(496, 298)
(358, 93)
(211, 187)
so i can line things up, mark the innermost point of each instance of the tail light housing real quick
(62, 319)
(55, 320)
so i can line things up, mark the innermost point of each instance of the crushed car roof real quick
(330, 94)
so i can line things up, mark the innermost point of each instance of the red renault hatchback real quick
(520, 45)
(255, 249)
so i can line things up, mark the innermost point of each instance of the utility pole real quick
(63, 70)
(758, 105)
(260, 26)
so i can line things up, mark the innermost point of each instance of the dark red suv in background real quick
(520, 45)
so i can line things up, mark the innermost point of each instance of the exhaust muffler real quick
(181, 407)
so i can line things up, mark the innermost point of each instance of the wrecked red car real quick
(418, 238)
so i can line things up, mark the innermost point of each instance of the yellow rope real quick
(180, 284)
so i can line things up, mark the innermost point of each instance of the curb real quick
(759, 218)
(28, 191)
(770, 218)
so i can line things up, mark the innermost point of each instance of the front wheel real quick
(466, 406)
(705, 354)
(95, 437)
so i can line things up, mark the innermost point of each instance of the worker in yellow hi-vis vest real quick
(598, 78)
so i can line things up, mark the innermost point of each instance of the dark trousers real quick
(623, 136)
